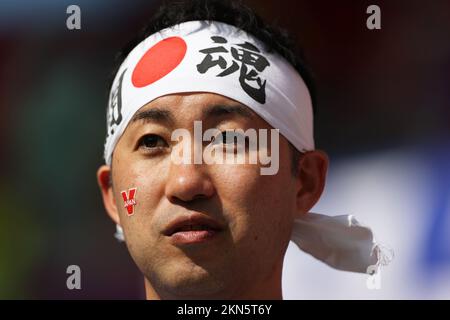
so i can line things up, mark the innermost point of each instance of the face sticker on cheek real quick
(129, 199)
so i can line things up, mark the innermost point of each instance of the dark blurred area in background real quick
(377, 90)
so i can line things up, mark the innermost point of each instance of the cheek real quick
(257, 205)
(149, 184)
(141, 228)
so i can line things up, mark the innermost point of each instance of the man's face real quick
(253, 213)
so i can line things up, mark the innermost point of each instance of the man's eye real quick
(151, 141)
(230, 138)
(225, 137)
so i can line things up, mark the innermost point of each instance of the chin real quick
(192, 282)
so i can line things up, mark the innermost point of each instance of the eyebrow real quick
(219, 110)
(154, 115)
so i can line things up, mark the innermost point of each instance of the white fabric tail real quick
(341, 242)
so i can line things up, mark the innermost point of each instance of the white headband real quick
(211, 57)
(220, 58)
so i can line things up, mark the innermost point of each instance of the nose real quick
(187, 182)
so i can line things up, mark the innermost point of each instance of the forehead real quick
(187, 107)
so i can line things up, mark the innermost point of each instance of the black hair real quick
(233, 12)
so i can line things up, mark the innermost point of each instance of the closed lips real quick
(192, 223)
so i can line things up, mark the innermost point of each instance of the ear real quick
(312, 171)
(103, 180)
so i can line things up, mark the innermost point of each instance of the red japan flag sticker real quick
(159, 61)
(129, 200)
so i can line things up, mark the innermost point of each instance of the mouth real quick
(196, 228)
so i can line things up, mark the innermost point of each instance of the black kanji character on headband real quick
(114, 115)
(251, 63)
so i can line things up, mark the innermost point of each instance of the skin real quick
(245, 260)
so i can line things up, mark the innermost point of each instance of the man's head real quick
(244, 218)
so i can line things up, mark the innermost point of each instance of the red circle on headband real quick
(159, 61)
